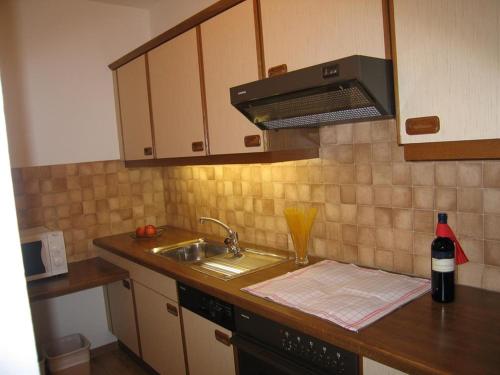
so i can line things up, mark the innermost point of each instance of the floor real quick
(115, 362)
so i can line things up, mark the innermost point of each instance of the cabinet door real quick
(371, 367)
(448, 66)
(176, 97)
(159, 331)
(132, 88)
(229, 59)
(121, 313)
(304, 33)
(206, 354)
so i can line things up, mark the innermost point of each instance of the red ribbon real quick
(444, 230)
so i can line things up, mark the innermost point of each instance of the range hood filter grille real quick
(314, 120)
(347, 101)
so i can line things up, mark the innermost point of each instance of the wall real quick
(374, 208)
(88, 200)
(58, 90)
(165, 14)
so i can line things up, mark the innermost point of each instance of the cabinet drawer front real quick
(154, 280)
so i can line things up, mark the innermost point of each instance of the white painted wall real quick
(165, 14)
(17, 348)
(57, 87)
(81, 312)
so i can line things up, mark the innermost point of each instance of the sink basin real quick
(190, 251)
(213, 259)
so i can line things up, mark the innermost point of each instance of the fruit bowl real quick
(159, 232)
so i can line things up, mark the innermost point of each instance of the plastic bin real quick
(69, 355)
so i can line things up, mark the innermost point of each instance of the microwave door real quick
(35, 259)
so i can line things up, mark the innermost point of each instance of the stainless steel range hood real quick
(355, 88)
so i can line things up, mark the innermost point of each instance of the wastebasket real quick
(68, 355)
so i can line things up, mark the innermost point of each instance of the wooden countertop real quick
(423, 337)
(81, 275)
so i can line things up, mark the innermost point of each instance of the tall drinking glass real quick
(299, 222)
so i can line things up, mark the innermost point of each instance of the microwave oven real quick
(44, 253)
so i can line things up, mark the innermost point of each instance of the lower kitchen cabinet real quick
(207, 346)
(159, 331)
(371, 367)
(122, 314)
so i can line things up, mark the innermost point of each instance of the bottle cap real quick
(442, 218)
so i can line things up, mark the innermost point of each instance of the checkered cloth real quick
(345, 294)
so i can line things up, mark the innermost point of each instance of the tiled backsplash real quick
(88, 200)
(374, 208)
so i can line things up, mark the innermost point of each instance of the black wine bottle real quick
(443, 266)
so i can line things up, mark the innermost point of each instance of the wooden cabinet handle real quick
(252, 140)
(148, 151)
(422, 125)
(126, 284)
(172, 309)
(222, 337)
(277, 70)
(197, 146)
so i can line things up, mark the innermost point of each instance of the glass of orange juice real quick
(300, 220)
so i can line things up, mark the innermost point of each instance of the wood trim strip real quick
(259, 38)
(454, 150)
(244, 158)
(119, 115)
(386, 16)
(137, 330)
(183, 335)
(150, 105)
(203, 90)
(182, 27)
(394, 55)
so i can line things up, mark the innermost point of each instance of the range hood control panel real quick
(330, 71)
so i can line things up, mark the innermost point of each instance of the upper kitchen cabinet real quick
(176, 98)
(447, 66)
(230, 59)
(304, 33)
(132, 90)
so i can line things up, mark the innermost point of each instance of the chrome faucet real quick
(231, 241)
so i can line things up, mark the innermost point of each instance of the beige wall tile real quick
(382, 131)
(383, 217)
(381, 152)
(422, 266)
(332, 193)
(492, 253)
(366, 215)
(363, 153)
(384, 238)
(348, 194)
(446, 199)
(470, 200)
(422, 244)
(470, 174)
(491, 201)
(491, 227)
(328, 134)
(384, 259)
(366, 256)
(346, 174)
(491, 174)
(423, 221)
(422, 174)
(471, 225)
(364, 174)
(364, 194)
(362, 132)
(383, 195)
(382, 173)
(366, 236)
(403, 263)
(402, 218)
(473, 248)
(401, 174)
(344, 133)
(348, 213)
(350, 253)
(401, 197)
(332, 212)
(349, 234)
(491, 278)
(423, 197)
(470, 274)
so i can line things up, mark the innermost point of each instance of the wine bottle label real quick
(443, 265)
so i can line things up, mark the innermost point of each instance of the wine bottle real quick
(443, 266)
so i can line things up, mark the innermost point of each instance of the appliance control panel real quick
(295, 344)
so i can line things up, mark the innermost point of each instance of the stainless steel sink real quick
(190, 251)
(213, 258)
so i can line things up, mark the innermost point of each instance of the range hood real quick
(352, 89)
